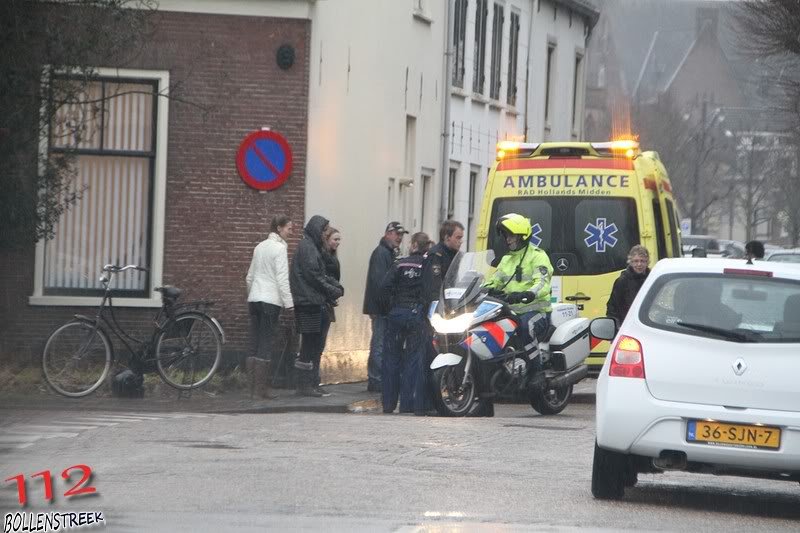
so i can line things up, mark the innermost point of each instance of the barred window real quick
(497, 51)
(459, 42)
(479, 60)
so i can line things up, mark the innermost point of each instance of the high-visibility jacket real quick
(535, 272)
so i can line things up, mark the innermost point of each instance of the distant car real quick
(708, 243)
(702, 375)
(731, 249)
(783, 255)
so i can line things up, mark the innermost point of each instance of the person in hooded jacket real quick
(627, 285)
(313, 291)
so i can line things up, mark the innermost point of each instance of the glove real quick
(519, 297)
(495, 293)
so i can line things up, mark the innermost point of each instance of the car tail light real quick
(627, 360)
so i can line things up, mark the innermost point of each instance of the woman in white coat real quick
(268, 288)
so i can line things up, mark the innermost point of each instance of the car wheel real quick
(609, 471)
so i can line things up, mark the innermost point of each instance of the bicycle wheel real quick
(188, 351)
(76, 359)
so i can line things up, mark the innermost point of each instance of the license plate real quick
(738, 435)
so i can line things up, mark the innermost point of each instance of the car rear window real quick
(733, 307)
(582, 235)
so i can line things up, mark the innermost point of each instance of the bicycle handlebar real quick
(115, 269)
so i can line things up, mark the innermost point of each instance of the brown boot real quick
(258, 378)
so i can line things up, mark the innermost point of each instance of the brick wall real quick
(224, 67)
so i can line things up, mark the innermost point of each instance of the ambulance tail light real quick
(506, 149)
(621, 148)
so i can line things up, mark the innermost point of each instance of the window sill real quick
(92, 301)
(495, 104)
(458, 92)
(422, 17)
(511, 110)
(477, 97)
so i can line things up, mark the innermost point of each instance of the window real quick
(594, 235)
(116, 128)
(497, 51)
(548, 88)
(479, 60)
(661, 239)
(473, 182)
(513, 45)
(459, 42)
(426, 185)
(451, 193)
(673, 228)
(577, 83)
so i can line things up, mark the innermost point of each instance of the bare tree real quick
(769, 32)
(38, 38)
(758, 162)
(690, 145)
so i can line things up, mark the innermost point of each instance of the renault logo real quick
(739, 366)
(562, 264)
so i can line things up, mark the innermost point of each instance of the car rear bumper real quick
(630, 420)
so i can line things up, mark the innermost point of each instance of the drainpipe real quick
(446, 86)
(528, 72)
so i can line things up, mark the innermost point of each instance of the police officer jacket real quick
(525, 270)
(403, 282)
(437, 261)
(375, 301)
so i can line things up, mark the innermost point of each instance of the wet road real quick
(362, 472)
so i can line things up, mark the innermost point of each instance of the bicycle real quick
(185, 342)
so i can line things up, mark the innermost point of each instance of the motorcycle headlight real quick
(459, 324)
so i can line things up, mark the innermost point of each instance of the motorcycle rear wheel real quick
(450, 398)
(551, 401)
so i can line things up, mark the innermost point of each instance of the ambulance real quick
(588, 203)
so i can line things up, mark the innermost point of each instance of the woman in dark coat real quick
(313, 291)
(627, 285)
(331, 240)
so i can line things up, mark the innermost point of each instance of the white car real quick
(702, 376)
(783, 255)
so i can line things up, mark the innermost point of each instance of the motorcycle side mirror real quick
(604, 328)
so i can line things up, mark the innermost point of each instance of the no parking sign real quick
(264, 160)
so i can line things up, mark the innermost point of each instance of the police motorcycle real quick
(481, 355)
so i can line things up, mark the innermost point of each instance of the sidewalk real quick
(344, 398)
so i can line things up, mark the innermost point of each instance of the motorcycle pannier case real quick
(571, 338)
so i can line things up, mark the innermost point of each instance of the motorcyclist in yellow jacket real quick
(523, 277)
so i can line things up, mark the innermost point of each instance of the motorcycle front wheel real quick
(551, 401)
(451, 397)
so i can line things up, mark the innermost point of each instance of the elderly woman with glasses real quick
(627, 285)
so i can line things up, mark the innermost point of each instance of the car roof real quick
(713, 265)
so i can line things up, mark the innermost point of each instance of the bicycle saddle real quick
(170, 292)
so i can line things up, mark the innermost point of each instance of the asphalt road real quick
(361, 472)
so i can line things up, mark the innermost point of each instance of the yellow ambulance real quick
(589, 203)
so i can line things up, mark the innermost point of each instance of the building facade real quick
(518, 74)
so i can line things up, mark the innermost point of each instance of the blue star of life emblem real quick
(600, 235)
(536, 230)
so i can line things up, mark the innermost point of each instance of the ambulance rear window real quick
(583, 236)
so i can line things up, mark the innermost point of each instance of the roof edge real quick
(582, 7)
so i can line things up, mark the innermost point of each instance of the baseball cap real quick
(396, 226)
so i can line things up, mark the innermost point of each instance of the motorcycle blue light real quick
(432, 308)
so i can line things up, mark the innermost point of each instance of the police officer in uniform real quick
(407, 334)
(438, 260)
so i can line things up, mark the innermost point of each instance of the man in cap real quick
(376, 301)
